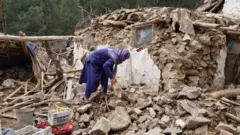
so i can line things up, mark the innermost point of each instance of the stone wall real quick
(186, 49)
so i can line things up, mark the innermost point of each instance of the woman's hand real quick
(113, 80)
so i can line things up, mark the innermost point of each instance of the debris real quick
(201, 130)
(233, 117)
(196, 122)
(102, 127)
(142, 119)
(186, 38)
(137, 111)
(229, 101)
(190, 107)
(237, 110)
(119, 119)
(152, 112)
(155, 131)
(172, 130)
(225, 93)
(231, 129)
(181, 123)
(130, 133)
(120, 103)
(165, 119)
(190, 92)
(9, 83)
(118, 90)
(84, 108)
(223, 132)
(85, 118)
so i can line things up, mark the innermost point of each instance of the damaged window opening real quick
(144, 35)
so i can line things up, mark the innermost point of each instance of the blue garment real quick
(98, 67)
(32, 49)
(8, 131)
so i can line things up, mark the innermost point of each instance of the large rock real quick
(102, 127)
(196, 122)
(119, 119)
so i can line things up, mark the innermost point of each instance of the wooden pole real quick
(36, 38)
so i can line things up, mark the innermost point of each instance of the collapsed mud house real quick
(188, 47)
(180, 47)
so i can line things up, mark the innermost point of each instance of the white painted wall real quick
(140, 68)
(231, 8)
(219, 76)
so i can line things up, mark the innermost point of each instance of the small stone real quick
(196, 122)
(9, 83)
(174, 41)
(203, 112)
(82, 125)
(112, 104)
(142, 119)
(77, 132)
(134, 116)
(172, 130)
(85, 118)
(120, 103)
(238, 129)
(137, 111)
(155, 131)
(75, 125)
(223, 132)
(130, 133)
(181, 123)
(77, 116)
(132, 90)
(84, 108)
(153, 123)
(119, 119)
(205, 39)
(102, 127)
(165, 119)
(196, 44)
(231, 129)
(152, 112)
(186, 38)
(201, 130)
(237, 110)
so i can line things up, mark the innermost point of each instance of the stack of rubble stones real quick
(185, 54)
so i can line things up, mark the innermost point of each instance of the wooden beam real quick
(36, 38)
(208, 25)
(224, 93)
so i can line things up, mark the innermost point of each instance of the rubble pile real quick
(188, 47)
(143, 112)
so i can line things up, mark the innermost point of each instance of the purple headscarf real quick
(118, 56)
